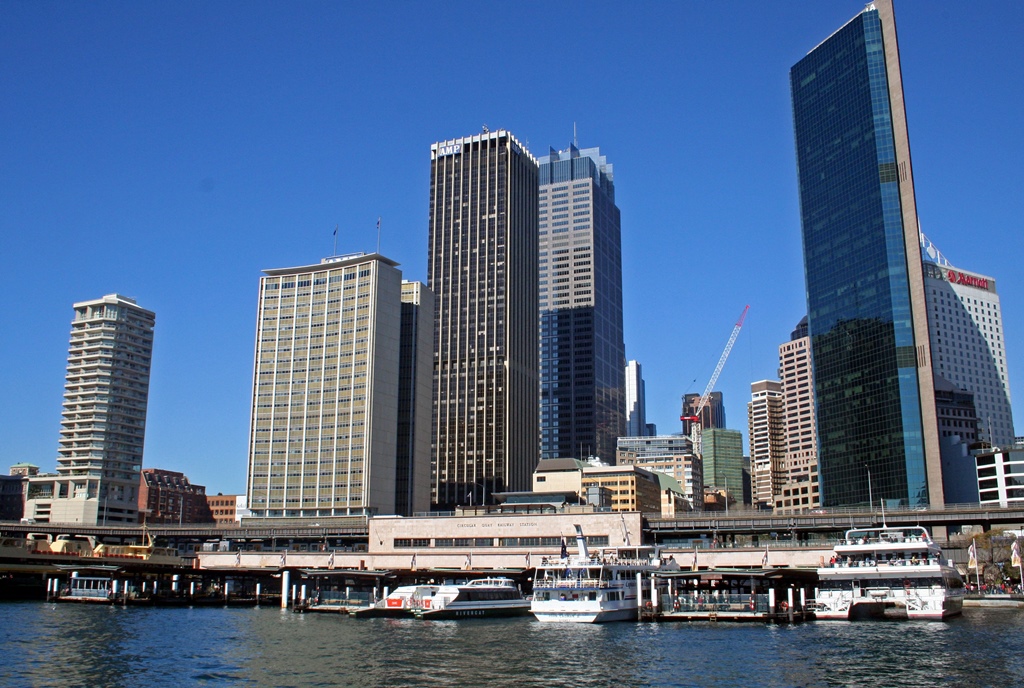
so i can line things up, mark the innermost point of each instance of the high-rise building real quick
(636, 401)
(723, 460)
(582, 354)
(412, 480)
(877, 424)
(798, 490)
(103, 421)
(968, 347)
(713, 415)
(326, 396)
(766, 424)
(482, 268)
(671, 454)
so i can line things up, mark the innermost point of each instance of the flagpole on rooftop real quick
(335, 251)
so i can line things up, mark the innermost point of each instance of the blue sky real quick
(171, 151)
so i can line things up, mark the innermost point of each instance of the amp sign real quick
(450, 149)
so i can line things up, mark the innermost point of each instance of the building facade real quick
(713, 415)
(1001, 476)
(766, 424)
(582, 353)
(636, 401)
(864, 278)
(798, 490)
(325, 403)
(958, 423)
(482, 269)
(169, 497)
(103, 420)
(723, 461)
(966, 325)
(224, 508)
(669, 454)
(412, 480)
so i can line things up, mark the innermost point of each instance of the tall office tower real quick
(636, 401)
(958, 435)
(713, 415)
(325, 397)
(799, 488)
(482, 268)
(582, 354)
(766, 423)
(412, 480)
(103, 421)
(723, 460)
(966, 324)
(865, 282)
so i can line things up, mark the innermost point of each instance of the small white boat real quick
(484, 597)
(888, 572)
(587, 588)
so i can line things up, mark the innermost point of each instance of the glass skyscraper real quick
(582, 354)
(877, 427)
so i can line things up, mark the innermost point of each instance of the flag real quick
(412, 564)
(284, 560)
(764, 559)
(694, 567)
(238, 558)
(330, 561)
(972, 556)
(1015, 553)
(527, 560)
(335, 230)
(469, 561)
(565, 550)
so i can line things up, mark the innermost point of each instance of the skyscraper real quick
(482, 268)
(767, 436)
(412, 482)
(798, 490)
(582, 353)
(636, 401)
(864, 278)
(103, 421)
(326, 398)
(713, 415)
(966, 324)
(723, 461)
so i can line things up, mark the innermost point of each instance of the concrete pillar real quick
(258, 592)
(639, 590)
(285, 585)
(803, 599)
(789, 600)
(654, 593)
(154, 587)
(192, 589)
(295, 594)
(175, 579)
(227, 588)
(113, 588)
(302, 593)
(771, 601)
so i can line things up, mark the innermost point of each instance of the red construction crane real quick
(696, 427)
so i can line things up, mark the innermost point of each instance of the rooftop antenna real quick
(486, 130)
(575, 141)
(378, 234)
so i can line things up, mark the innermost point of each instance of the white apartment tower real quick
(636, 404)
(965, 323)
(326, 389)
(103, 421)
(767, 437)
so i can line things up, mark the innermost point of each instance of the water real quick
(43, 644)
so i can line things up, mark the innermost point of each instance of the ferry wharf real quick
(772, 595)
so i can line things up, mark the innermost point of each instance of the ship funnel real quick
(581, 542)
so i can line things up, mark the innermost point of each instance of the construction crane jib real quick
(696, 426)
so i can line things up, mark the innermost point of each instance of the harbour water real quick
(44, 644)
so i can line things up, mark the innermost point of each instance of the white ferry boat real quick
(403, 602)
(888, 572)
(484, 597)
(587, 588)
